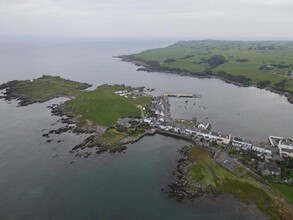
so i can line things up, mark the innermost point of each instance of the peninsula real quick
(264, 64)
(111, 114)
(116, 115)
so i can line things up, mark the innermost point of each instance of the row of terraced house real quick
(207, 135)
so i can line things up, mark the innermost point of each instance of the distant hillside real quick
(266, 64)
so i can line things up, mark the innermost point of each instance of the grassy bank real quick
(42, 89)
(250, 63)
(111, 139)
(103, 107)
(246, 189)
(285, 190)
(115, 137)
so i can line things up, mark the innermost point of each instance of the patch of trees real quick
(242, 60)
(187, 57)
(152, 63)
(264, 83)
(206, 72)
(239, 78)
(281, 66)
(262, 48)
(275, 66)
(266, 48)
(216, 60)
(268, 67)
(286, 167)
(225, 48)
(170, 60)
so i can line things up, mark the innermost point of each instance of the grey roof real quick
(245, 141)
(288, 142)
(270, 166)
(287, 150)
(124, 122)
(237, 139)
(214, 133)
(205, 131)
(223, 135)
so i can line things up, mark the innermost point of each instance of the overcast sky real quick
(235, 19)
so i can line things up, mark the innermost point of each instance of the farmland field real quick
(264, 63)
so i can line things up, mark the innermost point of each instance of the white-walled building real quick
(285, 147)
(261, 150)
(242, 143)
(223, 138)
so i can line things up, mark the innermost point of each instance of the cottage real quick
(123, 122)
(270, 168)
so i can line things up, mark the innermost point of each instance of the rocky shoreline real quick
(183, 185)
(72, 122)
(148, 68)
(95, 132)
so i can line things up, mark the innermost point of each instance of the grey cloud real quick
(153, 18)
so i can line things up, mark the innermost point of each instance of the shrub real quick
(216, 60)
(264, 83)
(169, 60)
(242, 60)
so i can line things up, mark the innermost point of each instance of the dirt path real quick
(141, 109)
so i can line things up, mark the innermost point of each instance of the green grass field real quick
(209, 172)
(103, 107)
(206, 170)
(285, 190)
(242, 59)
(45, 88)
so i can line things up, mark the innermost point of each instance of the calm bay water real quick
(245, 112)
(38, 181)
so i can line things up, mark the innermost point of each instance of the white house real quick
(161, 120)
(147, 121)
(204, 134)
(163, 127)
(261, 150)
(223, 138)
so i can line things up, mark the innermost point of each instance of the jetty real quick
(182, 95)
(274, 140)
